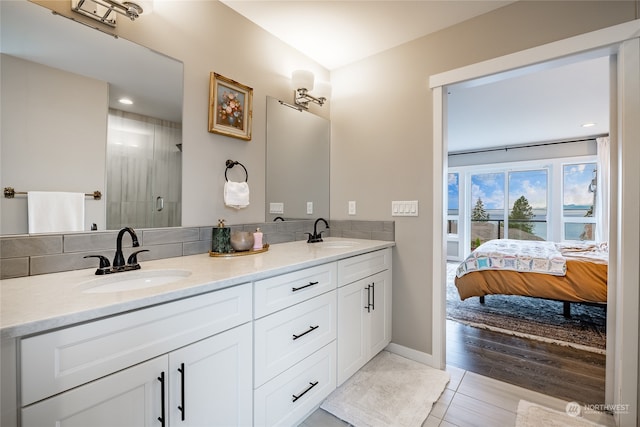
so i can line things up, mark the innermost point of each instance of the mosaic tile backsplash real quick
(26, 255)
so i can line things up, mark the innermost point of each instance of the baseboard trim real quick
(412, 354)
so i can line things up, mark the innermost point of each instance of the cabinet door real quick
(352, 327)
(131, 397)
(211, 381)
(380, 312)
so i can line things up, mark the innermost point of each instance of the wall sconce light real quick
(303, 83)
(106, 11)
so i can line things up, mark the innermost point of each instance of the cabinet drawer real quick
(59, 360)
(280, 292)
(291, 396)
(361, 266)
(288, 336)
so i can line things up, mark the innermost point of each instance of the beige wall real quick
(381, 112)
(382, 131)
(38, 103)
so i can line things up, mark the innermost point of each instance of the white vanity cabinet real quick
(364, 310)
(150, 367)
(294, 336)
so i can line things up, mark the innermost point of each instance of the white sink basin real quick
(336, 244)
(131, 280)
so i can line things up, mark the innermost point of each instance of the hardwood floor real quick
(562, 372)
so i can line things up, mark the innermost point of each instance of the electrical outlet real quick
(309, 208)
(352, 207)
(276, 208)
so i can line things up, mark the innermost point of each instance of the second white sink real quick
(132, 280)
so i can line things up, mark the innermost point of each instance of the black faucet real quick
(118, 260)
(278, 218)
(317, 237)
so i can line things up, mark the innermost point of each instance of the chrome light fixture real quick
(106, 11)
(303, 83)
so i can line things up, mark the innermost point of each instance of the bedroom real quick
(542, 161)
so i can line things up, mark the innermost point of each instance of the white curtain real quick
(602, 191)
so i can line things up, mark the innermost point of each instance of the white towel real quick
(236, 194)
(52, 211)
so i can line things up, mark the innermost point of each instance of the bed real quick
(567, 272)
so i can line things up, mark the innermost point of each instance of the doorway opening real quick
(511, 164)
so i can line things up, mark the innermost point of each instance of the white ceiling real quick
(338, 32)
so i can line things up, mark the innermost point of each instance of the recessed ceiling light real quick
(126, 101)
(588, 125)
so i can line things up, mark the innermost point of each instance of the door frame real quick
(622, 44)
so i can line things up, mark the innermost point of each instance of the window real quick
(528, 205)
(578, 201)
(487, 207)
(453, 203)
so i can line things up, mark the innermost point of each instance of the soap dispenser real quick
(221, 238)
(257, 239)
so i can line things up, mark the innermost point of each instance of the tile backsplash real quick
(27, 255)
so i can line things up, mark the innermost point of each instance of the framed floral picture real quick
(230, 107)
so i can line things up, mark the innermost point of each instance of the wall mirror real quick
(63, 128)
(297, 181)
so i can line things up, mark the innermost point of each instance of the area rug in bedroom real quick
(388, 391)
(532, 318)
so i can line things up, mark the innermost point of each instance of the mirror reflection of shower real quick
(144, 177)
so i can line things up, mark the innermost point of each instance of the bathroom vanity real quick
(255, 340)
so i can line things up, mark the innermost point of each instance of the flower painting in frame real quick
(230, 107)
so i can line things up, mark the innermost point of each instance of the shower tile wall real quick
(144, 166)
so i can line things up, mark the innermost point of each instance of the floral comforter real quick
(516, 255)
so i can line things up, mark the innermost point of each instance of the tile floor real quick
(472, 400)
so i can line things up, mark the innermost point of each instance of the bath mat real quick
(390, 390)
(532, 415)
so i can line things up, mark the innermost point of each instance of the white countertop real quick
(35, 304)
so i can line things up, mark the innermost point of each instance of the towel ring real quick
(230, 164)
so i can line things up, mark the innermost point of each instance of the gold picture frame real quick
(230, 107)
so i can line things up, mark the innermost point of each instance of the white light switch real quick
(309, 208)
(352, 207)
(404, 208)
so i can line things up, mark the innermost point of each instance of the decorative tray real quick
(265, 248)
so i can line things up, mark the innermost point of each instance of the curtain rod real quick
(513, 147)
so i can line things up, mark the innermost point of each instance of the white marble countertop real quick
(35, 304)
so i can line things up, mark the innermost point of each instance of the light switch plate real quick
(352, 207)
(309, 208)
(404, 208)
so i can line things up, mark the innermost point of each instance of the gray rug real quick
(532, 318)
(388, 391)
(532, 415)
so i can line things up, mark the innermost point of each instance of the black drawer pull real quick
(373, 296)
(311, 385)
(162, 417)
(305, 286)
(311, 328)
(182, 406)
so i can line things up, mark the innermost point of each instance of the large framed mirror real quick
(63, 129)
(298, 155)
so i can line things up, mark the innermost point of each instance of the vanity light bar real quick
(101, 10)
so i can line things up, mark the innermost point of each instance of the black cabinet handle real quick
(373, 296)
(181, 407)
(305, 286)
(368, 306)
(312, 385)
(311, 328)
(161, 418)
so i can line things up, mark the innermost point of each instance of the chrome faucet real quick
(317, 237)
(118, 260)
